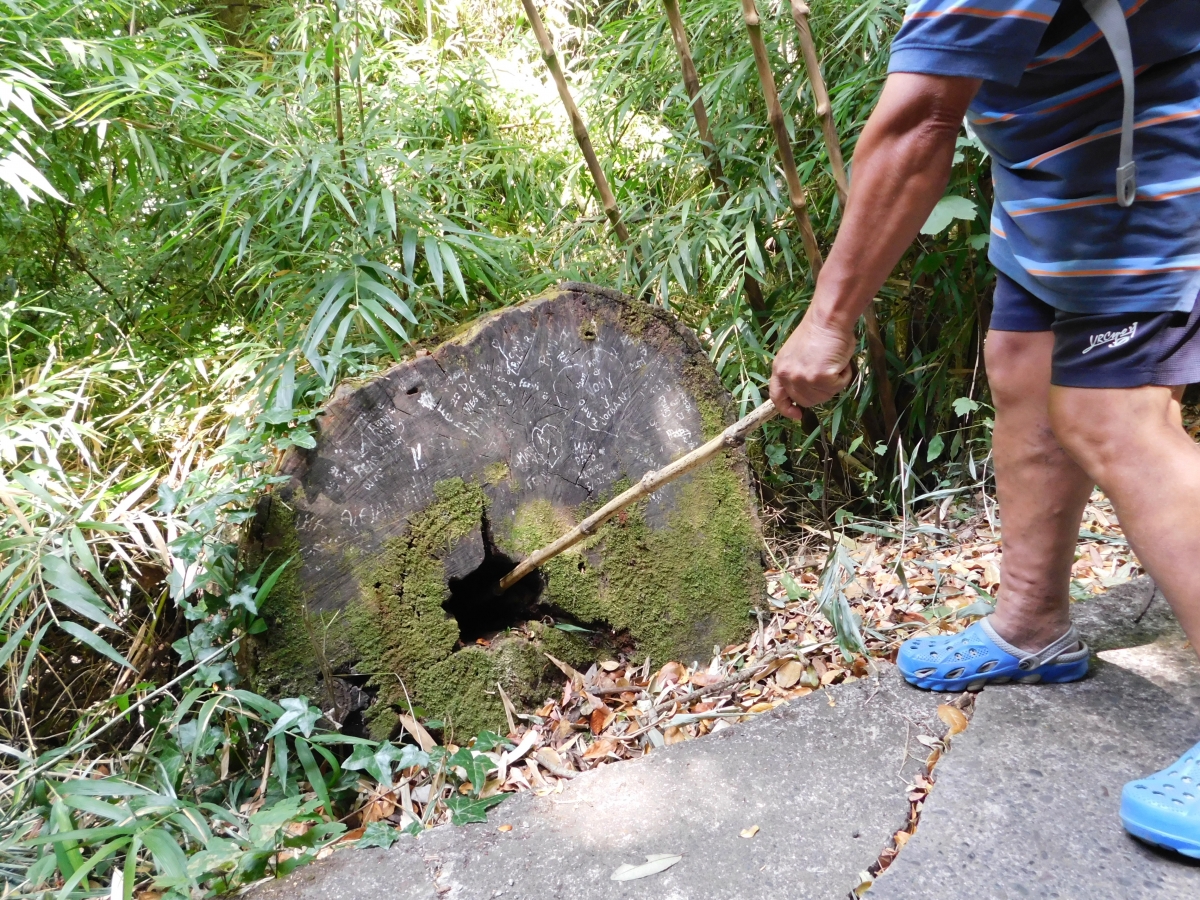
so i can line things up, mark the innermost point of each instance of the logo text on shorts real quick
(1111, 338)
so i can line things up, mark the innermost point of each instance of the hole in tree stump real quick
(482, 612)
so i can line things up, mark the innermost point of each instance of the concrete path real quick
(1025, 803)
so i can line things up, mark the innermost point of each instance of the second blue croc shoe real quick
(1164, 809)
(977, 656)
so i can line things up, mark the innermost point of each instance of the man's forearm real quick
(900, 170)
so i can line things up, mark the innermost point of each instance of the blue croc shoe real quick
(1164, 809)
(977, 656)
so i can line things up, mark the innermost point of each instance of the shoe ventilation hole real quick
(956, 673)
(959, 656)
(988, 666)
(924, 673)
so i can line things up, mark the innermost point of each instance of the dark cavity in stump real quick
(430, 480)
(482, 611)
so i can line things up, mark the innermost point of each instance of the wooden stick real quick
(691, 82)
(783, 143)
(824, 109)
(732, 436)
(577, 126)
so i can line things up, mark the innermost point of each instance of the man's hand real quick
(812, 366)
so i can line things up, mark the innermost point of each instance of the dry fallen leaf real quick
(749, 832)
(417, 730)
(379, 808)
(760, 707)
(789, 674)
(674, 735)
(504, 828)
(954, 718)
(654, 864)
(600, 749)
(901, 838)
(671, 673)
(601, 718)
(610, 665)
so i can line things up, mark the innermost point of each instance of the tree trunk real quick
(429, 482)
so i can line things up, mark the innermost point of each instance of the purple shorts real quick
(1114, 350)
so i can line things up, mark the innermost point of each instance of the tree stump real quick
(430, 481)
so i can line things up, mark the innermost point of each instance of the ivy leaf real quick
(296, 713)
(489, 740)
(476, 765)
(377, 761)
(964, 406)
(948, 209)
(378, 834)
(244, 597)
(465, 810)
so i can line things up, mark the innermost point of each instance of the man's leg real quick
(1132, 442)
(1042, 492)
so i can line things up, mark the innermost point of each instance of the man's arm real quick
(901, 167)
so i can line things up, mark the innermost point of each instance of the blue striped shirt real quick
(1049, 113)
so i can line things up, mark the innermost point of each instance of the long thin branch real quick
(732, 436)
(578, 128)
(691, 82)
(783, 143)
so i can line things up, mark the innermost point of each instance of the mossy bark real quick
(485, 450)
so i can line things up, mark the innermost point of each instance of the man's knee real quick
(1079, 429)
(1018, 366)
(1109, 430)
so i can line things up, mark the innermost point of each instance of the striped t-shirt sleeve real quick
(989, 39)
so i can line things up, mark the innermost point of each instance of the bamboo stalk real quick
(833, 146)
(578, 128)
(883, 384)
(783, 143)
(821, 98)
(732, 436)
(337, 87)
(691, 82)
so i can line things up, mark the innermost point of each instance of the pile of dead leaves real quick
(933, 576)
